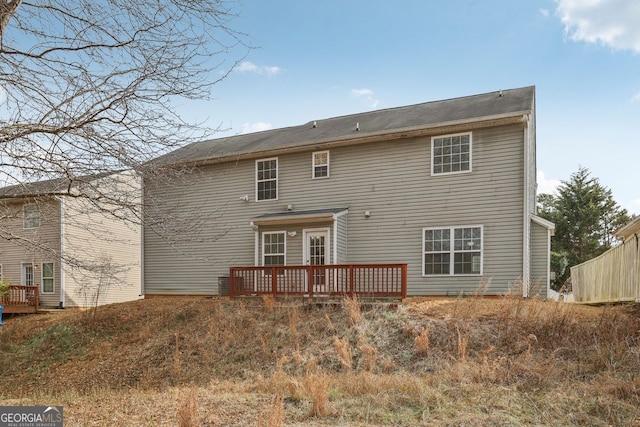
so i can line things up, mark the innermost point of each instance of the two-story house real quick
(446, 187)
(73, 248)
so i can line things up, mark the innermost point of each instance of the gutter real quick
(453, 126)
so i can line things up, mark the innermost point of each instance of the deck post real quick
(232, 284)
(351, 279)
(404, 281)
(274, 282)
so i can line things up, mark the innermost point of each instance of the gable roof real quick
(50, 187)
(628, 230)
(362, 127)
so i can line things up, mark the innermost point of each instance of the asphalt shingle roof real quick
(373, 122)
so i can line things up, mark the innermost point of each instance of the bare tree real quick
(89, 87)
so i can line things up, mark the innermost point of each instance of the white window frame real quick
(53, 278)
(258, 181)
(23, 276)
(28, 217)
(317, 165)
(452, 251)
(283, 254)
(453, 135)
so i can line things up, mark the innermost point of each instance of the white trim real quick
(284, 233)
(313, 165)
(526, 225)
(23, 277)
(452, 252)
(62, 250)
(433, 138)
(335, 239)
(305, 248)
(24, 215)
(276, 179)
(53, 291)
(0, 272)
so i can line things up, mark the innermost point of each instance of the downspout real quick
(526, 220)
(335, 239)
(142, 220)
(62, 254)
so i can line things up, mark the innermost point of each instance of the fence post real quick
(232, 284)
(404, 281)
(351, 279)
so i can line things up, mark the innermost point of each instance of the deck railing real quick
(20, 299)
(375, 280)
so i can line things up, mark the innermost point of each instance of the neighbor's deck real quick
(20, 299)
(369, 280)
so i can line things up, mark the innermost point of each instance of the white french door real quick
(316, 252)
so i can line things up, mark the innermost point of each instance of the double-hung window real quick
(321, 164)
(267, 179)
(449, 251)
(273, 248)
(47, 278)
(31, 216)
(451, 154)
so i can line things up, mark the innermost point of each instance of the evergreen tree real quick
(585, 215)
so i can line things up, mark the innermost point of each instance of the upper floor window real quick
(31, 216)
(267, 179)
(321, 164)
(451, 154)
(452, 251)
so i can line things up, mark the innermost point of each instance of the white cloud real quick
(250, 67)
(635, 98)
(545, 185)
(613, 23)
(366, 95)
(255, 127)
(544, 12)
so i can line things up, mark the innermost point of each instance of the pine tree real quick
(585, 215)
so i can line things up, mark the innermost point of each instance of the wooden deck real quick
(20, 299)
(363, 280)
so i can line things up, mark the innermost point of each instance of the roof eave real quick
(518, 117)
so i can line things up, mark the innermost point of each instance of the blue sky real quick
(320, 59)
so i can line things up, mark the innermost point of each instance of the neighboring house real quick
(75, 252)
(446, 187)
(628, 231)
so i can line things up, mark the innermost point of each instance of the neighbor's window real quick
(451, 154)
(47, 278)
(273, 248)
(321, 164)
(452, 251)
(267, 179)
(31, 216)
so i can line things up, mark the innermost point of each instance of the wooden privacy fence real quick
(20, 299)
(376, 280)
(613, 276)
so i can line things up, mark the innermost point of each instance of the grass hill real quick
(210, 361)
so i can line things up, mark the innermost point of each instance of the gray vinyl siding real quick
(47, 239)
(342, 239)
(391, 179)
(93, 237)
(539, 260)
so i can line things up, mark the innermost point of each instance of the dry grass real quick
(456, 361)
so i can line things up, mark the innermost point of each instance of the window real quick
(31, 216)
(321, 164)
(451, 154)
(273, 248)
(47, 278)
(452, 251)
(267, 179)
